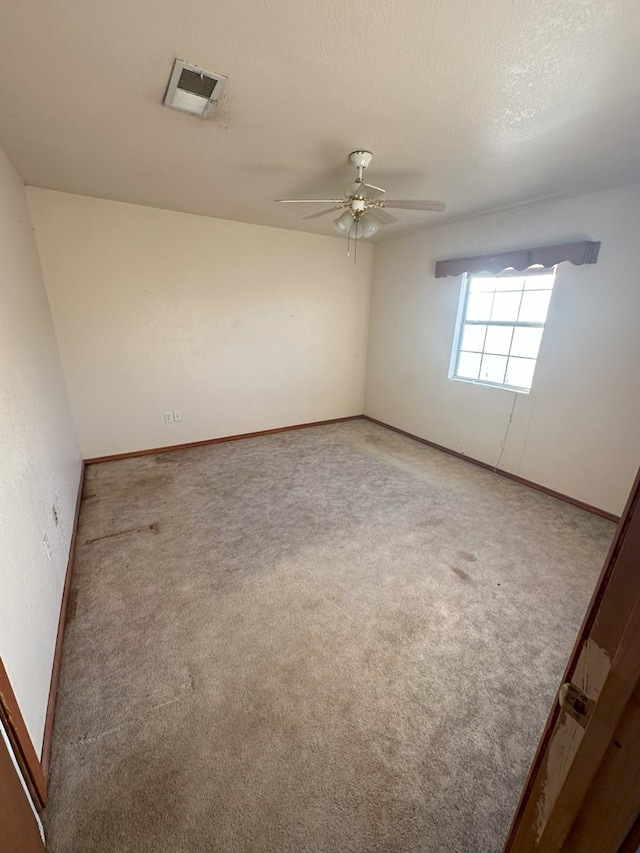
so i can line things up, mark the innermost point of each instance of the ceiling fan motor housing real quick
(360, 159)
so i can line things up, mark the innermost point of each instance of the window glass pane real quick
(492, 345)
(505, 306)
(479, 306)
(498, 340)
(468, 365)
(539, 282)
(473, 338)
(482, 284)
(520, 372)
(493, 368)
(526, 342)
(510, 282)
(535, 304)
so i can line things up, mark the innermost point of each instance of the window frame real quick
(461, 321)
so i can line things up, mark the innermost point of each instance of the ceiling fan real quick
(364, 209)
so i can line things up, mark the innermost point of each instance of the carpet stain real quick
(154, 528)
(410, 625)
(470, 558)
(171, 458)
(431, 522)
(146, 485)
(72, 605)
(374, 439)
(460, 573)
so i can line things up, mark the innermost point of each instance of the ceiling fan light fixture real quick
(358, 229)
(366, 227)
(344, 223)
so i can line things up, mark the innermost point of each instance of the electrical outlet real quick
(55, 514)
(168, 417)
(47, 546)
(177, 417)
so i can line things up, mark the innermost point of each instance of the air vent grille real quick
(193, 89)
(197, 84)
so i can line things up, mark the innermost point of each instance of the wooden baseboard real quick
(501, 472)
(57, 656)
(21, 742)
(134, 453)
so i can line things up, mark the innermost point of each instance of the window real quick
(500, 324)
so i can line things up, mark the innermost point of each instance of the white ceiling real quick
(482, 103)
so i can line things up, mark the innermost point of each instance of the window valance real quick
(547, 256)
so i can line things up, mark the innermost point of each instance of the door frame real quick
(20, 828)
(21, 742)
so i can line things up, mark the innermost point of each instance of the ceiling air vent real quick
(193, 89)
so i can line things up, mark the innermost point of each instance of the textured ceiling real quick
(482, 103)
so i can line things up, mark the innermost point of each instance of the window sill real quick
(511, 388)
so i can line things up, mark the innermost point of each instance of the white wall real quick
(240, 327)
(577, 432)
(40, 462)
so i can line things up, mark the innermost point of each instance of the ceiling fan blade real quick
(373, 191)
(381, 216)
(322, 213)
(309, 200)
(362, 189)
(353, 189)
(408, 204)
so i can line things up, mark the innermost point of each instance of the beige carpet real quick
(334, 639)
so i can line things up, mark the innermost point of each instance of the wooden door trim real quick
(631, 844)
(20, 829)
(23, 748)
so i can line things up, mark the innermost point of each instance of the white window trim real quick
(461, 311)
(455, 349)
